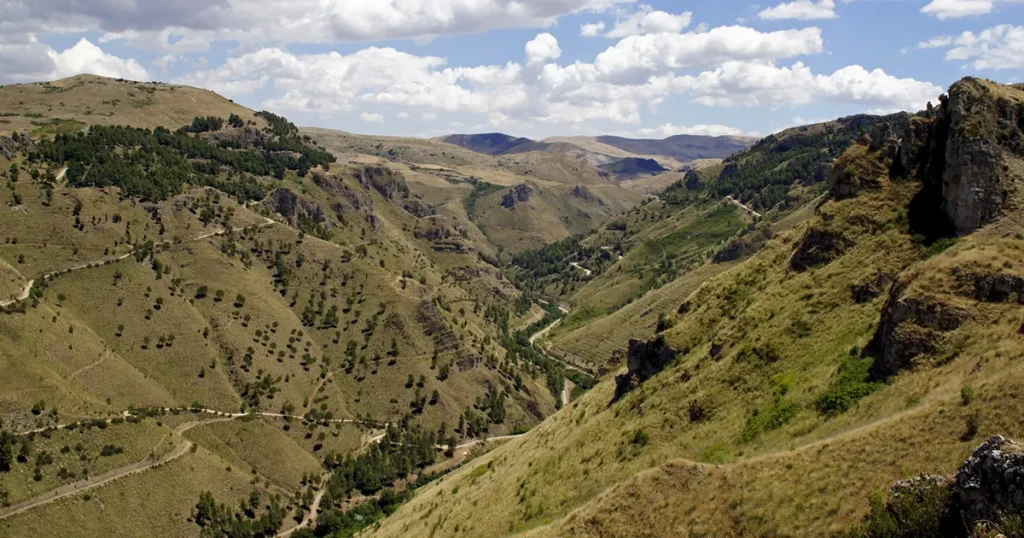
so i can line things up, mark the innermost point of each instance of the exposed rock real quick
(11, 146)
(818, 247)
(744, 246)
(387, 182)
(583, 193)
(436, 327)
(293, 207)
(516, 195)
(469, 361)
(990, 484)
(986, 285)
(418, 208)
(643, 361)
(238, 138)
(693, 181)
(910, 327)
(453, 246)
(869, 290)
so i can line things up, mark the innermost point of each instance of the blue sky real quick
(533, 68)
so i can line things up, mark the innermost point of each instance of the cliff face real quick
(969, 152)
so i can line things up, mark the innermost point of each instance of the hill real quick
(607, 150)
(865, 342)
(220, 305)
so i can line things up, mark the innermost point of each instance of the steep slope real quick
(849, 352)
(229, 287)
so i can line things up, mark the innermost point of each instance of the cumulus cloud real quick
(801, 10)
(957, 9)
(370, 117)
(637, 57)
(649, 21)
(190, 25)
(936, 42)
(24, 58)
(761, 84)
(541, 48)
(999, 47)
(592, 29)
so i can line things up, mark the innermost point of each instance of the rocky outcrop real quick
(12, 145)
(743, 246)
(693, 181)
(643, 361)
(868, 290)
(961, 151)
(355, 203)
(516, 195)
(293, 207)
(417, 208)
(239, 138)
(452, 246)
(990, 484)
(818, 247)
(911, 327)
(436, 327)
(387, 182)
(583, 193)
(989, 286)
(986, 490)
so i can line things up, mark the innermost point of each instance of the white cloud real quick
(649, 21)
(542, 48)
(592, 29)
(957, 9)
(428, 116)
(369, 117)
(191, 25)
(760, 84)
(936, 42)
(999, 47)
(24, 58)
(668, 129)
(801, 10)
(637, 57)
(402, 115)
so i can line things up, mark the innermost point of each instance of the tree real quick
(201, 292)
(235, 121)
(239, 301)
(61, 298)
(6, 451)
(219, 296)
(435, 397)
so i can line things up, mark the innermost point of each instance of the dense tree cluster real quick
(397, 455)
(159, 164)
(219, 521)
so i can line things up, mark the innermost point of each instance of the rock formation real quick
(516, 195)
(643, 361)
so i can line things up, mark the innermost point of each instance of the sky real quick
(535, 68)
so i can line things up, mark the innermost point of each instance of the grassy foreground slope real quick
(859, 348)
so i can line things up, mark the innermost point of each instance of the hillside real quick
(862, 344)
(671, 152)
(224, 306)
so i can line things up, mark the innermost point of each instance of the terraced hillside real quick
(871, 342)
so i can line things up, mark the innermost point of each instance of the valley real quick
(214, 322)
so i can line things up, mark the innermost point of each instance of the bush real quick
(967, 396)
(850, 385)
(767, 418)
(640, 438)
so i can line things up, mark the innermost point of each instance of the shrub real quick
(640, 438)
(851, 383)
(767, 418)
(924, 513)
(967, 396)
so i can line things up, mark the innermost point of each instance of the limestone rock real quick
(990, 484)
(818, 247)
(516, 195)
(387, 182)
(643, 361)
(293, 207)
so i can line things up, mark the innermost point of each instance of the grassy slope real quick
(610, 485)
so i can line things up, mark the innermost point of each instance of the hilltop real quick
(870, 336)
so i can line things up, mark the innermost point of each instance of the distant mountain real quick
(631, 166)
(681, 147)
(493, 143)
(604, 150)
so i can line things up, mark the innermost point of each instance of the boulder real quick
(293, 207)
(387, 182)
